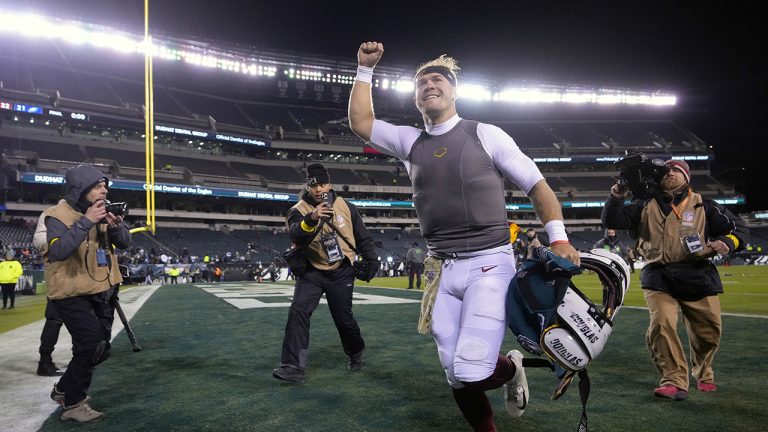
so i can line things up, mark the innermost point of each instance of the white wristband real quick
(556, 231)
(364, 74)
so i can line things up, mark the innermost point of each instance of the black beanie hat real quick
(316, 173)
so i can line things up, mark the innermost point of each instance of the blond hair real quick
(445, 61)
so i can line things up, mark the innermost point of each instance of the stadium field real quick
(746, 288)
(209, 351)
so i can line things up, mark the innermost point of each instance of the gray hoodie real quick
(77, 182)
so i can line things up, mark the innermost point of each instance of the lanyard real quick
(682, 205)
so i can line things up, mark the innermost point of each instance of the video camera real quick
(641, 175)
(117, 209)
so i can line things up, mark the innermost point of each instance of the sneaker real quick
(707, 387)
(48, 369)
(58, 395)
(80, 412)
(288, 373)
(516, 389)
(671, 392)
(355, 362)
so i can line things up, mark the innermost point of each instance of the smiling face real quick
(435, 98)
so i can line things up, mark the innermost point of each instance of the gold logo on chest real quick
(440, 152)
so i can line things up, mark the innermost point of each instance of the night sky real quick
(714, 56)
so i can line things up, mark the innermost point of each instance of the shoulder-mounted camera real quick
(641, 175)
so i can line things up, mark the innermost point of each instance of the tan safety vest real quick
(79, 274)
(659, 237)
(342, 219)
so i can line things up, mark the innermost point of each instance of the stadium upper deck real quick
(253, 132)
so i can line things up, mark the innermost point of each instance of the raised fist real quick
(369, 53)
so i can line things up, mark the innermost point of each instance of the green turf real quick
(746, 288)
(29, 308)
(746, 292)
(206, 366)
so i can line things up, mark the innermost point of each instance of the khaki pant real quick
(704, 327)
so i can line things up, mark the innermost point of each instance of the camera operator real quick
(677, 230)
(81, 274)
(330, 271)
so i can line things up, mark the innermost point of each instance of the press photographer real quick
(81, 274)
(676, 231)
(327, 232)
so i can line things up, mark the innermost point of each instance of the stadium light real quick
(577, 97)
(240, 62)
(608, 99)
(584, 96)
(474, 92)
(404, 85)
(523, 95)
(74, 34)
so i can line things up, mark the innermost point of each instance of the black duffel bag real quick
(297, 262)
(294, 257)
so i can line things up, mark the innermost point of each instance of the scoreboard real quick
(38, 110)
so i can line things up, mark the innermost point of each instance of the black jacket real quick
(363, 241)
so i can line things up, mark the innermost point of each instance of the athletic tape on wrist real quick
(556, 231)
(364, 74)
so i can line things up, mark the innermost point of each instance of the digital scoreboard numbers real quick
(38, 110)
(67, 115)
(29, 109)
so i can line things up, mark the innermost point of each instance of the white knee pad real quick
(473, 350)
(472, 360)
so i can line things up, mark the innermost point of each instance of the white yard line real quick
(24, 396)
